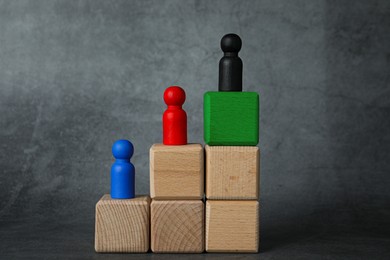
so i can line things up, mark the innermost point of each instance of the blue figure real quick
(122, 171)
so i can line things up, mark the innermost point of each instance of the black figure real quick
(230, 66)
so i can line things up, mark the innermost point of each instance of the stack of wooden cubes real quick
(232, 171)
(177, 208)
(231, 133)
(174, 219)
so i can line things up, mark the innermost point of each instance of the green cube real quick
(231, 118)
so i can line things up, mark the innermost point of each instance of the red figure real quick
(174, 118)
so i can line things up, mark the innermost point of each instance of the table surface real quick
(50, 238)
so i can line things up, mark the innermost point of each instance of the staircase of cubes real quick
(201, 198)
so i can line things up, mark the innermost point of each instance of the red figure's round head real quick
(174, 96)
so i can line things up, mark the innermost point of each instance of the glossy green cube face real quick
(231, 118)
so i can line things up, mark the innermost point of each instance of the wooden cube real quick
(176, 171)
(231, 118)
(232, 172)
(232, 226)
(177, 226)
(122, 225)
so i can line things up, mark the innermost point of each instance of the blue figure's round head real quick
(122, 149)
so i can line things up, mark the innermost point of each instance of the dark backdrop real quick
(77, 75)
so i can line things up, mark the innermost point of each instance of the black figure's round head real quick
(231, 43)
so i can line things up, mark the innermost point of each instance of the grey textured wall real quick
(77, 75)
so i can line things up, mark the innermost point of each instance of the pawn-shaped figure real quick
(122, 171)
(174, 118)
(230, 66)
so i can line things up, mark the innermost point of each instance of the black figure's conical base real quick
(230, 66)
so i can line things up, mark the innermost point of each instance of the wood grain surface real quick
(177, 226)
(232, 172)
(232, 226)
(177, 171)
(122, 225)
